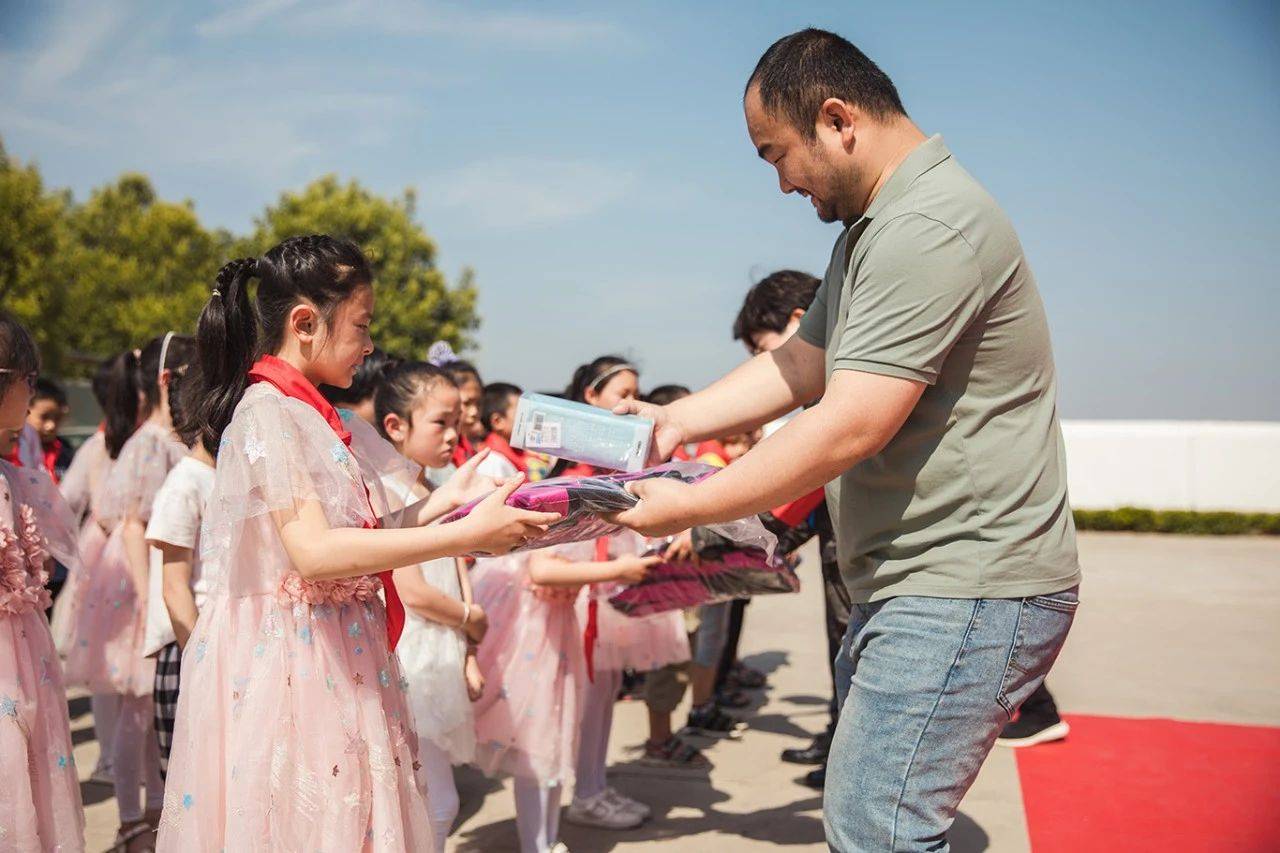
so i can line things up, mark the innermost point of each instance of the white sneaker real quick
(625, 802)
(559, 848)
(602, 813)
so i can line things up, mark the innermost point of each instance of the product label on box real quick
(543, 434)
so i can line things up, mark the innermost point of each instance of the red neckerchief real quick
(290, 382)
(462, 451)
(498, 444)
(51, 454)
(592, 632)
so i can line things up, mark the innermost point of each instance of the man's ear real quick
(797, 314)
(839, 116)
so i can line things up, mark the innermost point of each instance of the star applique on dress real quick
(254, 449)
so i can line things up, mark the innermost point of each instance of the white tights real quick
(537, 815)
(442, 793)
(593, 740)
(136, 758)
(106, 709)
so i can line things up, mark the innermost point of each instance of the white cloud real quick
(528, 192)
(242, 17)
(411, 18)
(79, 32)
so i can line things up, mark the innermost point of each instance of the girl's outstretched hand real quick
(467, 483)
(631, 570)
(495, 528)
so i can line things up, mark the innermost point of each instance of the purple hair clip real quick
(441, 353)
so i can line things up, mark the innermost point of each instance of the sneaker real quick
(814, 753)
(674, 754)
(601, 813)
(815, 778)
(559, 847)
(710, 720)
(623, 801)
(1031, 729)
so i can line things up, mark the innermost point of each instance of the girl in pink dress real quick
(115, 387)
(39, 795)
(106, 648)
(293, 731)
(534, 671)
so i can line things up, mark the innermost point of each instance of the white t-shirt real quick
(175, 520)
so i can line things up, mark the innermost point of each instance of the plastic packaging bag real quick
(581, 501)
(724, 571)
(569, 430)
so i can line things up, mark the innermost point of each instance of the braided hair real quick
(233, 332)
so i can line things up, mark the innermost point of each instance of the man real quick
(770, 315)
(937, 432)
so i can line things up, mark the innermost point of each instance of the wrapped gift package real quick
(581, 502)
(582, 433)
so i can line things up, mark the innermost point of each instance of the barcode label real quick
(543, 434)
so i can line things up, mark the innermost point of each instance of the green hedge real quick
(1179, 521)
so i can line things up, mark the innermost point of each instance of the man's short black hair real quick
(664, 395)
(800, 71)
(495, 401)
(772, 300)
(47, 389)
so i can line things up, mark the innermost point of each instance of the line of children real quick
(105, 648)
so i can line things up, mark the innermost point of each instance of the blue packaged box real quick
(582, 433)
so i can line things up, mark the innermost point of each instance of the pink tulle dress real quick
(104, 646)
(293, 731)
(40, 794)
(534, 670)
(642, 643)
(85, 478)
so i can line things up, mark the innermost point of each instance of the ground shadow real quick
(78, 707)
(473, 789)
(966, 836)
(92, 793)
(806, 699)
(684, 807)
(83, 735)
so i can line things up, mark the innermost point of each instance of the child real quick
(293, 731)
(116, 389)
(40, 796)
(613, 642)
(177, 587)
(417, 410)
(48, 410)
(498, 418)
(105, 652)
(470, 389)
(527, 721)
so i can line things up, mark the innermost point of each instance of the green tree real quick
(32, 233)
(416, 306)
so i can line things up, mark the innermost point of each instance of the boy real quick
(498, 418)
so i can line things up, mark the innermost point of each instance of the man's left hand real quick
(666, 507)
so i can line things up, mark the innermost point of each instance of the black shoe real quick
(816, 778)
(1031, 729)
(814, 753)
(710, 720)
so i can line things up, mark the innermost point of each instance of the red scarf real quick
(592, 632)
(498, 444)
(292, 383)
(462, 451)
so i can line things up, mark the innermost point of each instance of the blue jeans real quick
(926, 685)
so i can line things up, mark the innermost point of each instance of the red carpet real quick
(1137, 785)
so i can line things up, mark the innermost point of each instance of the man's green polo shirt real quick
(969, 499)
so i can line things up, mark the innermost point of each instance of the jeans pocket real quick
(1041, 629)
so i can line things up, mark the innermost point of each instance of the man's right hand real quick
(667, 434)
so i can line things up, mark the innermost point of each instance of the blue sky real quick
(590, 161)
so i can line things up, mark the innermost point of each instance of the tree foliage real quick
(95, 277)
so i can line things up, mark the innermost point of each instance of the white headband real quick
(599, 381)
(164, 351)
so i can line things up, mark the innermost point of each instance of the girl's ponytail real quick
(121, 394)
(226, 346)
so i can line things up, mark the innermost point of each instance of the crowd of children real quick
(283, 651)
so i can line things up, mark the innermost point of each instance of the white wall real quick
(1198, 465)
